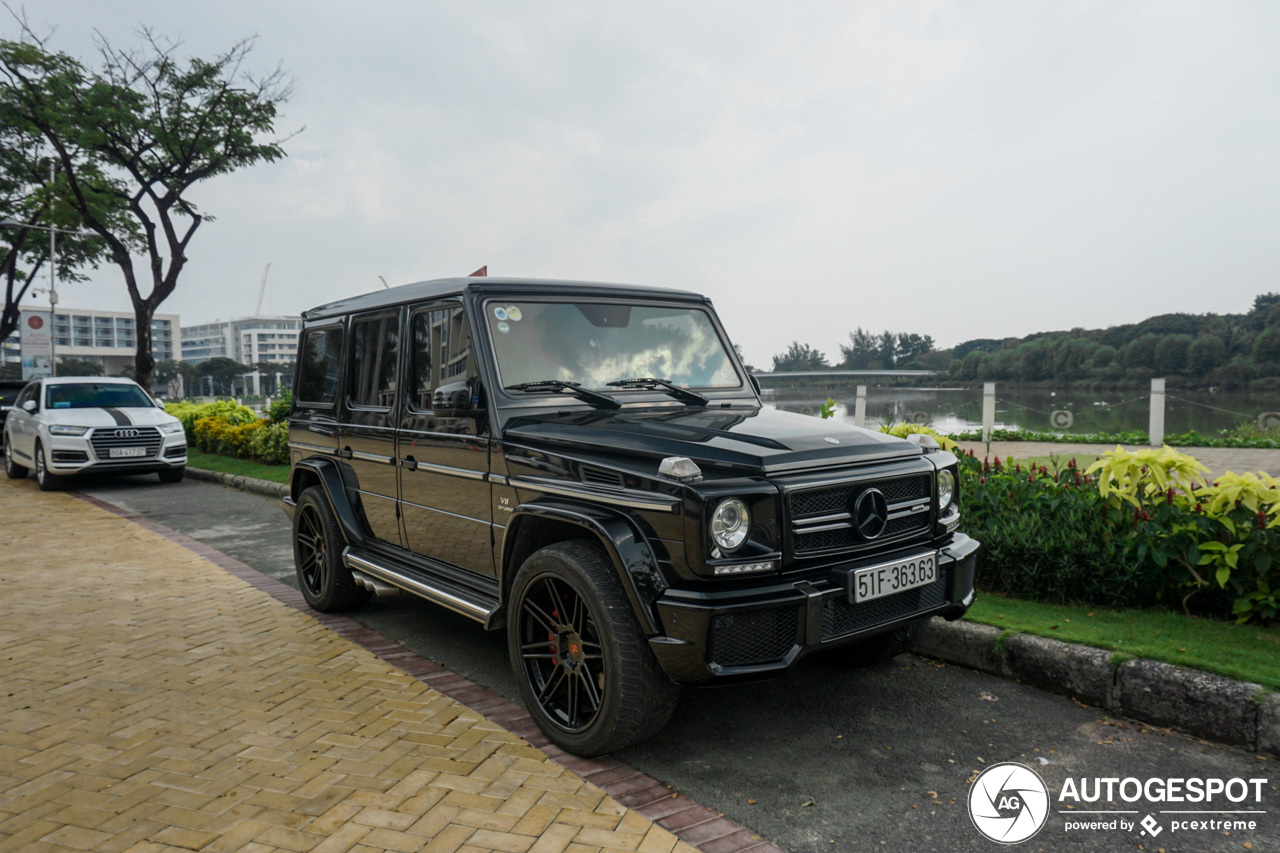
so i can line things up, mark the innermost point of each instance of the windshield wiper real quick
(595, 398)
(662, 385)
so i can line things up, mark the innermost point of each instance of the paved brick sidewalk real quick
(150, 701)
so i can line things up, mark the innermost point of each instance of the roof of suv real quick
(80, 380)
(441, 287)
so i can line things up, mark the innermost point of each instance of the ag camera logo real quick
(1008, 802)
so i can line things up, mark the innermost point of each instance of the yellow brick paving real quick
(149, 701)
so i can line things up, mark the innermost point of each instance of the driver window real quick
(441, 340)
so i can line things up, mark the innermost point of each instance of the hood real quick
(131, 416)
(763, 439)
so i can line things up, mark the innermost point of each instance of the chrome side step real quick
(362, 563)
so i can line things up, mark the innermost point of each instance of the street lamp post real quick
(53, 274)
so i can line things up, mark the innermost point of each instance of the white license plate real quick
(879, 581)
(118, 452)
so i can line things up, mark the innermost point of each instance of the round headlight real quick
(730, 524)
(946, 488)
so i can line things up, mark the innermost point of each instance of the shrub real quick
(228, 410)
(904, 429)
(280, 408)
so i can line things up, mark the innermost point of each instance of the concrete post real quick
(1155, 427)
(988, 410)
(860, 407)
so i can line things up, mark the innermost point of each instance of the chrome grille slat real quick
(821, 519)
(105, 438)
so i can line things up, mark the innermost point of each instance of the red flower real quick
(1198, 507)
(996, 463)
(1031, 478)
(1169, 497)
(1017, 468)
(1262, 519)
(982, 480)
(1077, 478)
(1145, 517)
(1072, 463)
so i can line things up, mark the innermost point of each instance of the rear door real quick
(368, 431)
(313, 424)
(444, 461)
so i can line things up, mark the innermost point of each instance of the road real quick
(833, 757)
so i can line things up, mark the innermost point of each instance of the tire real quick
(173, 475)
(12, 469)
(559, 674)
(48, 482)
(883, 648)
(325, 582)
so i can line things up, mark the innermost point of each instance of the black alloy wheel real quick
(323, 577)
(561, 651)
(586, 673)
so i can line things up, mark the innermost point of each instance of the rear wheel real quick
(326, 583)
(172, 475)
(12, 469)
(47, 481)
(585, 670)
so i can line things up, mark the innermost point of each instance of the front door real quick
(444, 461)
(368, 437)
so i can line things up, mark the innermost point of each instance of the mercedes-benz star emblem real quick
(871, 513)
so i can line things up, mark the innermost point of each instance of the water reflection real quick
(951, 410)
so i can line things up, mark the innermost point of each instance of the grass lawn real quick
(232, 465)
(1246, 652)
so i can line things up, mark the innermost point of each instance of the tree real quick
(1206, 353)
(799, 357)
(1171, 353)
(1266, 348)
(156, 126)
(861, 352)
(1141, 352)
(222, 374)
(35, 201)
(78, 367)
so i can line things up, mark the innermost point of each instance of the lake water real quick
(951, 410)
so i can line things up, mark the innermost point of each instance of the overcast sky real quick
(956, 169)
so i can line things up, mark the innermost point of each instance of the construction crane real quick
(262, 291)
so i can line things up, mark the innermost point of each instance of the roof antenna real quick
(483, 272)
(384, 283)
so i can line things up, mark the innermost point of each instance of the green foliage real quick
(828, 409)
(280, 408)
(1246, 435)
(799, 357)
(227, 410)
(1135, 529)
(886, 351)
(904, 429)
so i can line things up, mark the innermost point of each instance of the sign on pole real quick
(37, 343)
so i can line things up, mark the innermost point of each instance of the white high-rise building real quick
(108, 338)
(248, 340)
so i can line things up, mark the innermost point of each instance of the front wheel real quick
(585, 669)
(325, 580)
(172, 475)
(48, 482)
(12, 469)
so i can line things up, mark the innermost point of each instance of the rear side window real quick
(371, 380)
(319, 357)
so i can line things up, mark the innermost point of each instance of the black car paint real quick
(545, 450)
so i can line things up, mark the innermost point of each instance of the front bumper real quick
(761, 632)
(69, 455)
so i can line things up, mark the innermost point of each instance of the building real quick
(107, 338)
(247, 340)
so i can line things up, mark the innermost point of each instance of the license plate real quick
(879, 581)
(118, 452)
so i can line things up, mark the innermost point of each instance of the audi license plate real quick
(118, 452)
(879, 581)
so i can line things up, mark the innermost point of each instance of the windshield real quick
(595, 343)
(90, 395)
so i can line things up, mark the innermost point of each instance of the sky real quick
(962, 170)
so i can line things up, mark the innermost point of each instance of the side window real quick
(441, 352)
(371, 376)
(28, 393)
(319, 355)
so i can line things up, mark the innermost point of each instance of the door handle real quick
(409, 463)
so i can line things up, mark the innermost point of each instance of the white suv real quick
(91, 424)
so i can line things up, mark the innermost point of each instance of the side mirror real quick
(29, 406)
(456, 400)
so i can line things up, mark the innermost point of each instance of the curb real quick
(1208, 706)
(684, 817)
(240, 481)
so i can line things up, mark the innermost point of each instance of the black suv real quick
(590, 468)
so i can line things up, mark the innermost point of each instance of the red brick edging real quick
(705, 829)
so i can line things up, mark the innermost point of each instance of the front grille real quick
(752, 636)
(105, 439)
(839, 500)
(840, 618)
(70, 457)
